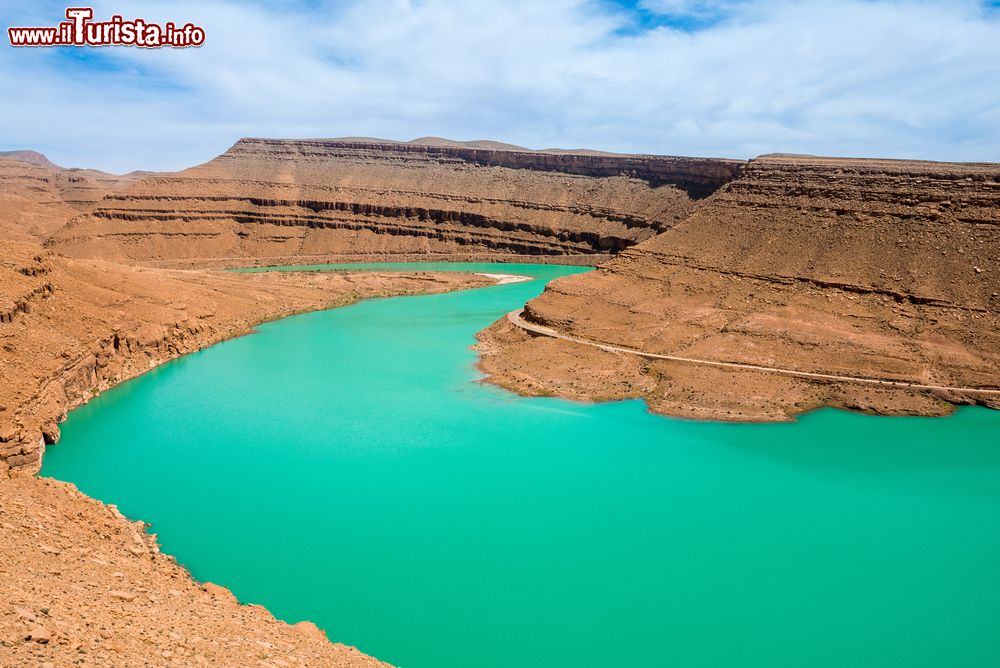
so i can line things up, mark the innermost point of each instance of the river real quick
(349, 467)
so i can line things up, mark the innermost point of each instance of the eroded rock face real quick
(886, 269)
(70, 329)
(38, 197)
(81, 581)
(77, 578)
(286, 201)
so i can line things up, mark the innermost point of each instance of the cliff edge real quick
(292, 201)
(875, 268)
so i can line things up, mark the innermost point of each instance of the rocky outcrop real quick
(38, 197)
(72, 329)
(698, 177)
(885, 269)
(82, 188)
(82, 585)
(291, 201)
(23, 303)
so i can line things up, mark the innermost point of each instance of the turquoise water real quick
(347, 467)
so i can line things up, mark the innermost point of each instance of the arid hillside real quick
(882, 269)
(77, 580)
(277, 201)
(72, 328)
(80, 585)
(38, 197)
(860, 268)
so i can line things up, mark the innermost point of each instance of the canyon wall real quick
(883, 269)
(70, 329)
(77, 578)
(81, 581)
(282, 201)
(38, 197)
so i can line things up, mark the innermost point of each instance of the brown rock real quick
(784, 267)
(122, 595)
(219, 592)
(24, 614)
(39, 634)
(364, 198)
(93, 619)
(39, 198)
(310, 629)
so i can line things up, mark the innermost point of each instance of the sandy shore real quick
(504, 279)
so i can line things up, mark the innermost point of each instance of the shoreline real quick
(515, 318)
(539, 364)
(267, 261)
(506, 279)
(42, 631)
(185, 338)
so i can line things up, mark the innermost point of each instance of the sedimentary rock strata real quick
(884, 269)
(78, 582)
(70, 329)
(38, 197)
(289, 201)
(878, 269)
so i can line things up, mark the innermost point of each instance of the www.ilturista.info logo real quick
(80, 30)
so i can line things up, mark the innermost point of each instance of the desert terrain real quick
(80, 584)
(79, 581)
(284, 202)
(863, 268)
(882, 269)
(877, 269)
(38, 197)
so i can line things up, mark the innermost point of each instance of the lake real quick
(349, 467)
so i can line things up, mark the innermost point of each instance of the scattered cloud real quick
(694, 8)
(898, 78)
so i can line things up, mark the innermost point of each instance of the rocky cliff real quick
(70, 329)
(292, 201)
(883, 269)
(38, 197)
(77, 579)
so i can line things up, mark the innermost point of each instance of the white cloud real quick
(892, 78)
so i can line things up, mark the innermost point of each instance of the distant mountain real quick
(30, 157)
(37, 196)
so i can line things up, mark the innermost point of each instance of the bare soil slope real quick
(72, 328)
(78, 582)
(38, 197)
(886, 269)
(81, 585)
(293, 201)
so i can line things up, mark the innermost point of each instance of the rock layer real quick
(77, 580)
(72, 328)
(38, 197)
(886, 269)
(294, 201)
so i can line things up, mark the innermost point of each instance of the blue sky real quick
(887, 78)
